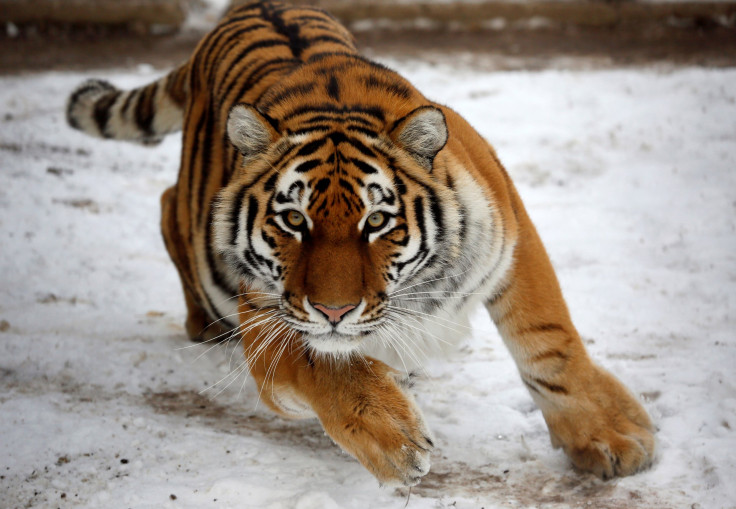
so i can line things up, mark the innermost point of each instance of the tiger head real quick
(334, 212)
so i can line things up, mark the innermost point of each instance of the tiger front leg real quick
(362, 404)
(599, 425)
(366, 408)
(597, 422)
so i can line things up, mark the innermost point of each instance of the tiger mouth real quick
(334, 343)
(350, 330)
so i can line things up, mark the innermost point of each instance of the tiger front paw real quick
(381, 425)
(606, 431)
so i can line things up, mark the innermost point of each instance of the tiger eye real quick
(376, 219)
(294, 219)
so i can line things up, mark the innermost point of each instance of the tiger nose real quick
(334, 315)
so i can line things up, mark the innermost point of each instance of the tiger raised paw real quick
(334, 218)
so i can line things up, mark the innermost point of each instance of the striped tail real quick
(144, 115)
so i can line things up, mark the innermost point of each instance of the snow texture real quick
(630, 177)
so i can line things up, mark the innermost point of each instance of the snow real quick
(629, 176)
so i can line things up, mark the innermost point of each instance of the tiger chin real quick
(342, 225)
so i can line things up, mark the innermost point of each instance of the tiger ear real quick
(249, 130)
(422, 133)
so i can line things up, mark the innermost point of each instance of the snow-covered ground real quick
(631, 179)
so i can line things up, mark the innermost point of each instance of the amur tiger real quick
(337, 220)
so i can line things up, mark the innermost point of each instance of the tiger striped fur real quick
(343, 225)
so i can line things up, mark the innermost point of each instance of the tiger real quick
(343, 226)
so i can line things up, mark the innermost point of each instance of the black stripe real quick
(216, 41)
(333, 88)
(338, 117)
(349, 56)
(373, 111)
(401, 228)
(283, 157)
(261, 72)
(316, 25)
(311, 147)
(145, 110)
(103, 110)
(254, 77)
(297, 44)
(550, 387)
(207, 146)
(229, 82)
(244, 16)
(337, 137)
(311, 17)
(193, 163)
(372, 82)
(270, 184)
(250, 222)
(362, 148)
(363, 130)
(307, 165)
(231, 155)
(217, 277)
(96, 85)
(422, 251)
(268, 240)
(550, 354)
(230, 42)
(400, 185)
(363, 166)
(329, 38)
(128, 101)
(287, 93)
(463, 213)
(322, 185)
(284, 69)
(234, 215)
(530, 386)
(386, 195)
(437, 216)
(544, 327)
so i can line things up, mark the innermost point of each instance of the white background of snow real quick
(630, 177)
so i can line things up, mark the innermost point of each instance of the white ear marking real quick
(423, 133)
(247, 130)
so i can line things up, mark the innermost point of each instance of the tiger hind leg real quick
(199, 325)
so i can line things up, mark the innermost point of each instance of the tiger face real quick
(327, 223)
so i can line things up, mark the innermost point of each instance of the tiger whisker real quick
(428, 281)
(428, 298)
(234, 347)
(431, 318)
(443, 292)
(410, 351)
(384, 330)
(274, 364)
(239, 370)
(219, 335)
(239, 328)
(249, 292)
(235, 374)
(272, 336)
(421, 330)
